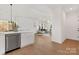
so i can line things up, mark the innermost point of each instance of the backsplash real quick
(7, 26)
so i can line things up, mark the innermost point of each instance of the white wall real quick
(29, 16)
(72, 24)
(5, 12)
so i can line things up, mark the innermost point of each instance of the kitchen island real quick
(26, 38)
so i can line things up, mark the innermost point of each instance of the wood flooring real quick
(44, 46)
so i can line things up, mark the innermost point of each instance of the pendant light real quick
(11, 12)
(10, 22)
(14, 26)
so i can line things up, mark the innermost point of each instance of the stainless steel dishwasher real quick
(12, 41)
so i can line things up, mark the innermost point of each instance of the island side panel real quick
(2, 44)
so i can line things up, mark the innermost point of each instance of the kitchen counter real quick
(27, 38)
(10, 32)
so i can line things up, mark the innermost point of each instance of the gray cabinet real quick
(12, 41)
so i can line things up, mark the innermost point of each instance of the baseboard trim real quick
(60, 42)
(72, 39)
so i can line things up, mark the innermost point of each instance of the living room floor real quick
(44, 46)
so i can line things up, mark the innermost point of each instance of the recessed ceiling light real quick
(70, 8)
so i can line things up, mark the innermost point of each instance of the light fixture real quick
(11, 12)
(70, 8)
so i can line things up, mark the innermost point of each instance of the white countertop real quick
(15, 32)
